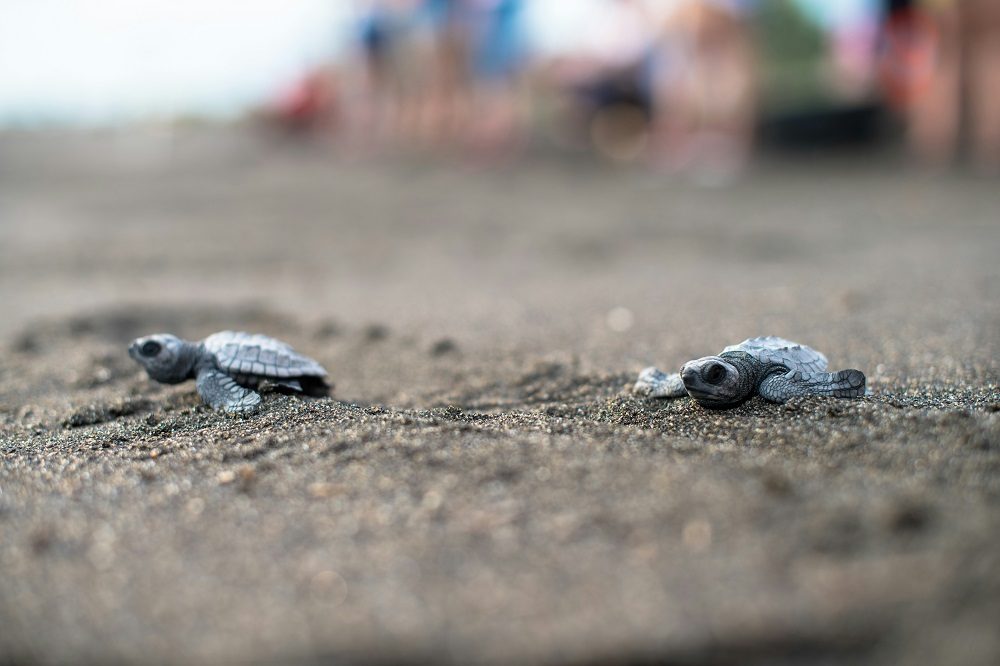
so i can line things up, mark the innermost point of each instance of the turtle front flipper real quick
(221, 391)
(653, 383)
(842, 384)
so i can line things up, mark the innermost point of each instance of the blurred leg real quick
(983, 81)
(934, 116)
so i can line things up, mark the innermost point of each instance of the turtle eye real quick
(150, 348)
(714, 373)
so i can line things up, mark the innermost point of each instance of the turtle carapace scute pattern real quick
(229, 366)
(771, 367)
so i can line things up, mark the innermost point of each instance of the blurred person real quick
(368, 71)
(941, 67)
(817, 66)
(491, 39)
(705, 90)
(601, 75)
(440, 73)
(396, 40)
(311, 105)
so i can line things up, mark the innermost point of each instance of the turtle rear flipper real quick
(222, 392)
(654, 383)
(841, 384)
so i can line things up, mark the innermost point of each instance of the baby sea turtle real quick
(772, 367)
(228, 366)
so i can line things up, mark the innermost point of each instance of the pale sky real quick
(94, 61)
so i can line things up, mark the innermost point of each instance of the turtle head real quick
(165, 357)
(714, 382)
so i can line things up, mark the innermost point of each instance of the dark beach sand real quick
(482, 487)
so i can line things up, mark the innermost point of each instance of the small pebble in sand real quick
(323, 489)
(328, 586)
(432, 500)
(327, 329)
(697, 535)
(620, 319)
(375, 332)
(443, 347)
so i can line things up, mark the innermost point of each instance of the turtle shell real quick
(238, 353)
(774, 350)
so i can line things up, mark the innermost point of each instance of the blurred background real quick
(679, 85)
(501, 169)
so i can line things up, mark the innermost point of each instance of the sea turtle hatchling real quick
(772, 367)
(228, 366)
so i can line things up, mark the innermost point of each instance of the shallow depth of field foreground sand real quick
(483, 487)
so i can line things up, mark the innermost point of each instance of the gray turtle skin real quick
(228, 366)
(773, 368)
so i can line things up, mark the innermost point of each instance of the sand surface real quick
(482, 488)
